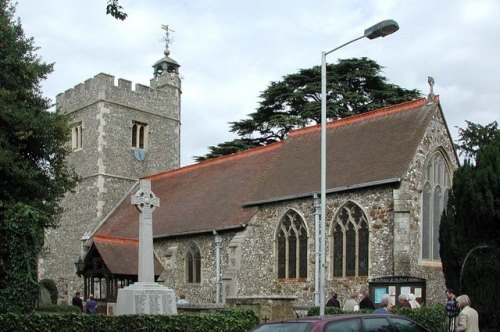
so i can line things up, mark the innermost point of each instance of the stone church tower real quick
(118, 134)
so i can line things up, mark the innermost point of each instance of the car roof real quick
(339, 317)
(328, 318)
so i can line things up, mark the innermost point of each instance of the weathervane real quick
(167, 39)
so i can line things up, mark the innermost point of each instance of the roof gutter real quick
(328, 191)
(201, 231)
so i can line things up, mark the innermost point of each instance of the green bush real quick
(50, 285)
(60, 308)
(222, 321)
(431, 317)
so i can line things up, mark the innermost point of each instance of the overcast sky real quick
(230, 50)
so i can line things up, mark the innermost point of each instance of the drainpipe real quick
(218, 245)
(83, 241)
(316, 248)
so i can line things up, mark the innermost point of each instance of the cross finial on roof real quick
(167, 39)
(431, 95)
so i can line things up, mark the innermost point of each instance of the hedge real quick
(235, 320)
(431, 317)
(59, 308)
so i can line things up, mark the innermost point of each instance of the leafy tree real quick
(353, 86)
(472, 222)
(226, 148)
(114, 9)
(34, 176)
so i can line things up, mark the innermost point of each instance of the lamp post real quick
(381, 29)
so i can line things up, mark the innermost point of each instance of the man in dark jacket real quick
(332, 301)
(77, 301)
(366, 302)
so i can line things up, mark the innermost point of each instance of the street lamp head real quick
(80, 266)
(381, 29)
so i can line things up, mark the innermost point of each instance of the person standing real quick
(91, 305)
(451, 308)
(351, 304)
(403, 301)
(366, 302)
(77, 301)
(468, 320)
(385, 306)
(332, 301)
(412, 299)
(182, 299)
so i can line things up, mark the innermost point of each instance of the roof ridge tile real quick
(218, 160)
(364, 116)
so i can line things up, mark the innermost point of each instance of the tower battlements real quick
(102, 87)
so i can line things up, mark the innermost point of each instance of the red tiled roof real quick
(201, 197)
(220, 193)
(121, 255)
(367, 148)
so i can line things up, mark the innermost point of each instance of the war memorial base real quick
(146, 298)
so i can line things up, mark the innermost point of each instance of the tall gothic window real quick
(139, 135)
(292, 246)
(193, 264)
(76, 136)
(350, 242)
(436, 186)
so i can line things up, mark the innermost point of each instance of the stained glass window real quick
(338, 251)
(350, 242)
(193, 264)
(292, 246)
(436, 185)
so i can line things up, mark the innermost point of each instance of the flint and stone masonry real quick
(249, 261)
(107, 164)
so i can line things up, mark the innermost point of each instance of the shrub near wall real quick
(431, 317)
(223, 321)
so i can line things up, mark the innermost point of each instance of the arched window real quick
(350, 242)
(76, 137)
(436, 185)
(193, 264)
(292, 246)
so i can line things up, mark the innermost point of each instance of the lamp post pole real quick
(381, 29)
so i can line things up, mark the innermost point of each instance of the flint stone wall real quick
(106, 164)
(436, 138)
(249, 263)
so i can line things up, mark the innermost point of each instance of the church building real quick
(244, 224)
(388, 176)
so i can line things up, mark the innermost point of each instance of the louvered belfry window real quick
(350, 242)
(139, 135)
(292, 247)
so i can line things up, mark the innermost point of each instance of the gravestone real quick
(146, 296)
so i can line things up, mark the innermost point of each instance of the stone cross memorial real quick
(146, 296)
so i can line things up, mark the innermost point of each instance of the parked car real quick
(344, 323)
